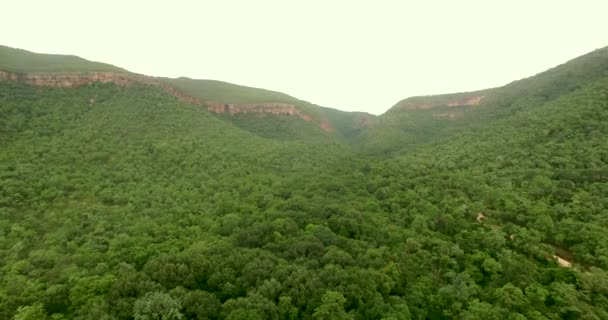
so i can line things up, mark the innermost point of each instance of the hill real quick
(127, 198)
(22, 61)
(274, 112)
(273, 109)
(419, 120)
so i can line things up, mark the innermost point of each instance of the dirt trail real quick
(563, 257)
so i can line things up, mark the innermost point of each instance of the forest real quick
(126, 203)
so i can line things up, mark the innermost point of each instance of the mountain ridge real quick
(429, 115)
(11, 60)
(38, 70)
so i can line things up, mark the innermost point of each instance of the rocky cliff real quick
(457, 100)
(77, 79)
(275, 108)
(4, 76)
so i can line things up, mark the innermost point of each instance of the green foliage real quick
(345, 125)
(212, 90)
(18, 60)
(401, 130)
(332, 307)
(31, 312)
(156, 306)
(135, 205)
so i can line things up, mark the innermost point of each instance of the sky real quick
(350, 55)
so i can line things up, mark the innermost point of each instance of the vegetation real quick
(125, 203)
(399, 130)
(17, 60)
(344, 124)
(213, 90)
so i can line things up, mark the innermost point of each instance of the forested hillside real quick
(420, 120)
(124, 202)
(324, 123)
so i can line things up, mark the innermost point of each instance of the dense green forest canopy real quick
(125, 203)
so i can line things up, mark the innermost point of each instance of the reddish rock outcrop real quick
(77, 79)
(326, 126)
(365, 121)
(275, 108)
(413, 105)
(5, 76)
(470, 101)
(446, 115)
(422, 103)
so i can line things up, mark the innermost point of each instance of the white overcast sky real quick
(350, 55)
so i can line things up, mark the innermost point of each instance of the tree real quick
(510, 297)
(201, 305)
(253, 306)
(481, 310)
(286, 309)
(31, 312)
(157, 306)
(332, 307)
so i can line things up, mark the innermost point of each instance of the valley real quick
(125, 196)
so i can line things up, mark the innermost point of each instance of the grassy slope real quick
(438, 100)
(18, 60)
(271, 126)
(212, 90)
(284, 128)
(401, 130)
(350, 124)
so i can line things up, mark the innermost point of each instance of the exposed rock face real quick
(4, 76)
(365, 121)
(326, 126)
(470, 101)
(275, 108)
(77, 79)
(420, 103)
(445, 115)
(562, 262)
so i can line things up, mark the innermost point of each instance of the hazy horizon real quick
(343, 55)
